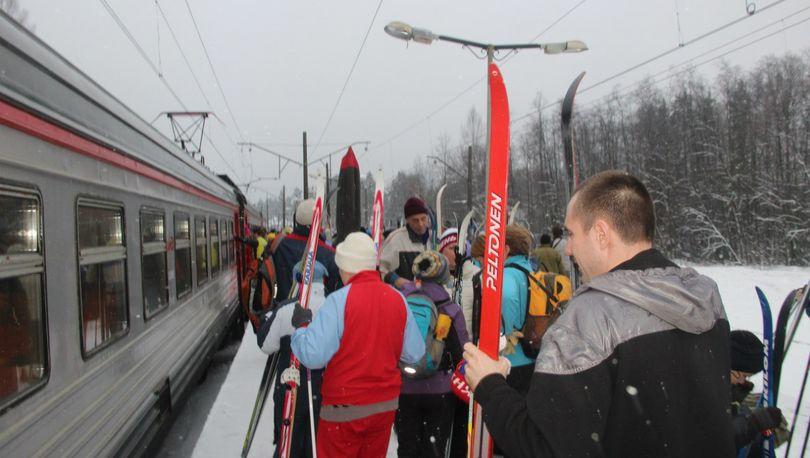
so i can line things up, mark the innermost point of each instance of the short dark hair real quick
(620, 198)
(556, 231)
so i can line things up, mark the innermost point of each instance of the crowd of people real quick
(639, 362)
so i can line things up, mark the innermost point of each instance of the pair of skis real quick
(796, 303)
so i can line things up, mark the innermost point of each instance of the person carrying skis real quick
(426, 404)
(287, 252)
(359, 336)
(636, 365)
(748, 419)
(404, 244)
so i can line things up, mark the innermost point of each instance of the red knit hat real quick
(415, 206)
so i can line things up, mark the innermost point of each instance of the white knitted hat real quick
(356, 253)
(303, 213)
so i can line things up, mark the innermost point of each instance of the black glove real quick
(301, 316)
(764, 418)
(740, 391)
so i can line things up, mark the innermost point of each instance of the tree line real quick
(726, 162)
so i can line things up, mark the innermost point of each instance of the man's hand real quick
(401, 282)
(479, 365)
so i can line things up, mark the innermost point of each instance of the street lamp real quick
(407, 32)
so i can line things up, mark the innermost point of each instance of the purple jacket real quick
(439, 382)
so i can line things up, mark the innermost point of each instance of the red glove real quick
(459, 384)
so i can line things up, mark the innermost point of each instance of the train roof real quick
(39, 80)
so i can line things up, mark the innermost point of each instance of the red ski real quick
(291, 375)
(479, 441)
(377, 213)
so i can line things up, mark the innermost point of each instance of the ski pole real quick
(796, 412)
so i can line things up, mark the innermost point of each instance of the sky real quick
(283, 65)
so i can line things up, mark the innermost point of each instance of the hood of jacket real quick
(679, 296)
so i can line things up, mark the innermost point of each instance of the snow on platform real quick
(227, 421)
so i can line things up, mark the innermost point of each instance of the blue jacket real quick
(316, 344)
(513, 305)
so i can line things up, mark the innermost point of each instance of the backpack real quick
(548, 294)
(434, 328)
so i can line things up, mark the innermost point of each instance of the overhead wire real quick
(477, 82)
(605, 80)
(214, 72)
(599, 83)
(647, 81)
(159, 74)
(348, 77)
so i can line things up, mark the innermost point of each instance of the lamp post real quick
(406, 32)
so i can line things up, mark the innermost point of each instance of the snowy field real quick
(226, 421)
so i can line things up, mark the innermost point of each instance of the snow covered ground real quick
(226, 421)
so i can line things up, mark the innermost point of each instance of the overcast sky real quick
(282, 64)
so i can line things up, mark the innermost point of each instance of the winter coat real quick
(439, 382)
(549, 260)
(289, 250)
(513, 304)
(359, 335)
(468, 271)
(637, 365)
(399, 250)
(559, 245)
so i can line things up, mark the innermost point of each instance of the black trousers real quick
(458, 441)
(423, 424)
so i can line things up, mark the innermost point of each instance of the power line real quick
(211, 65)
(549, 105)
(601, 100)
(182, 53)
(477, 82)
(140, 50)
(349, 76)
(733, 50)
(145, 57)
(599, 83)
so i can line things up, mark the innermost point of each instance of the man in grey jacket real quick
(404, 244)
(637, 364)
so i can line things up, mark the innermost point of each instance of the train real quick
(120, 263)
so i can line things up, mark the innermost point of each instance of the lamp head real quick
(572, 46)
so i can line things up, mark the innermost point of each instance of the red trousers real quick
(364, 438)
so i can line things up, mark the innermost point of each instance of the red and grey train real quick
(119, 272)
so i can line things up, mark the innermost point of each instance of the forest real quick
(726, 161)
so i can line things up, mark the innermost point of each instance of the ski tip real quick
(349, 160)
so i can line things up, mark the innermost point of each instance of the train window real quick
(23, 363)
(202, 249)
(102, 274)
(154, 271)
(223, 237)
(182, 254)
(215, 260)
(231, 253)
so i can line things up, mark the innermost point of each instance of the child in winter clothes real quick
(426, 405)
(359, 335)
(749, 420)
